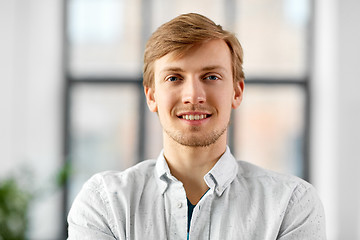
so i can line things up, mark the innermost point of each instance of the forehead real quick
(201, 56)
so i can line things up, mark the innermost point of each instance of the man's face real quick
(193, 95)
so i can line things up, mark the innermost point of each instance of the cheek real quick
(164, 101)
(223, 98)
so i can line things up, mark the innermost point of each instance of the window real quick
(271, 126)
(108, 125)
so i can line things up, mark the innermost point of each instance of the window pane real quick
(164, 10)
(274, 37)
(105, 38)
(269, 127)
(104, 130)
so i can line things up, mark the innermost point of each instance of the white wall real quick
(349, 119)
(336, 115)
(30, 100)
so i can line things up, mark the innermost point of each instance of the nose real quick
(193, 92)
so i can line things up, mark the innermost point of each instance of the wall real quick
(336, 115)
(348, 86)
(30, 102)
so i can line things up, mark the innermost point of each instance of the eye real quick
(172, 78)
(212, 77)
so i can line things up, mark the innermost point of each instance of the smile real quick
(194, 117)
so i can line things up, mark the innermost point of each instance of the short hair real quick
(181, 34)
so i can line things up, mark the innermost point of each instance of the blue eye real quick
(172, 79)
(212, 77)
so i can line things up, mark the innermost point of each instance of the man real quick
(193, 78)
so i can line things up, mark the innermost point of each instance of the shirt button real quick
(179, 205)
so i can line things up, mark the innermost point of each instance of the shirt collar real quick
(217, 179)
(223, 173)
(162, 172)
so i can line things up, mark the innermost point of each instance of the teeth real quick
(194, 117)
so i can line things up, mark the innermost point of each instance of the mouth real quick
(194, 117)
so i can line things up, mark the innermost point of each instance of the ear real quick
(238, 93)
(150, 98)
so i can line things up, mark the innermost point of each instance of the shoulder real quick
(292, 193)
(135, 175)
(259, 177)
(106, 197)
(250, 171)
(302, 213)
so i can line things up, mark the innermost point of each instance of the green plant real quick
(14, 203)
(16, 196)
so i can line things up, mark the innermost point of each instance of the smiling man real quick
(193, 78)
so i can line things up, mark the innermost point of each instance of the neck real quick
(190, 164)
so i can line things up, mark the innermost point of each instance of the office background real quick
(71, 93)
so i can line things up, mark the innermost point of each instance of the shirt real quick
(243, 202)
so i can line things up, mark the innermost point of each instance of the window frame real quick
(71, 81)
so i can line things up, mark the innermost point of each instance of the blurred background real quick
(72, 104)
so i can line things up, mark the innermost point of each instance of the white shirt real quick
(243, 202)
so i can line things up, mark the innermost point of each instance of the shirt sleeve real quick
(89, 215)
(304, 217)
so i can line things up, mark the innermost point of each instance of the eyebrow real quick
(206, 68)
(172, 69)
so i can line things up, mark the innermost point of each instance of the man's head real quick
(193, 79)
(179, 35)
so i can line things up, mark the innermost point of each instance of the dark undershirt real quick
(190, 212)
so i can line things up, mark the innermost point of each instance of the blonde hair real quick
(181, 34)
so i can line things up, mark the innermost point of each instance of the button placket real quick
(178, 212)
